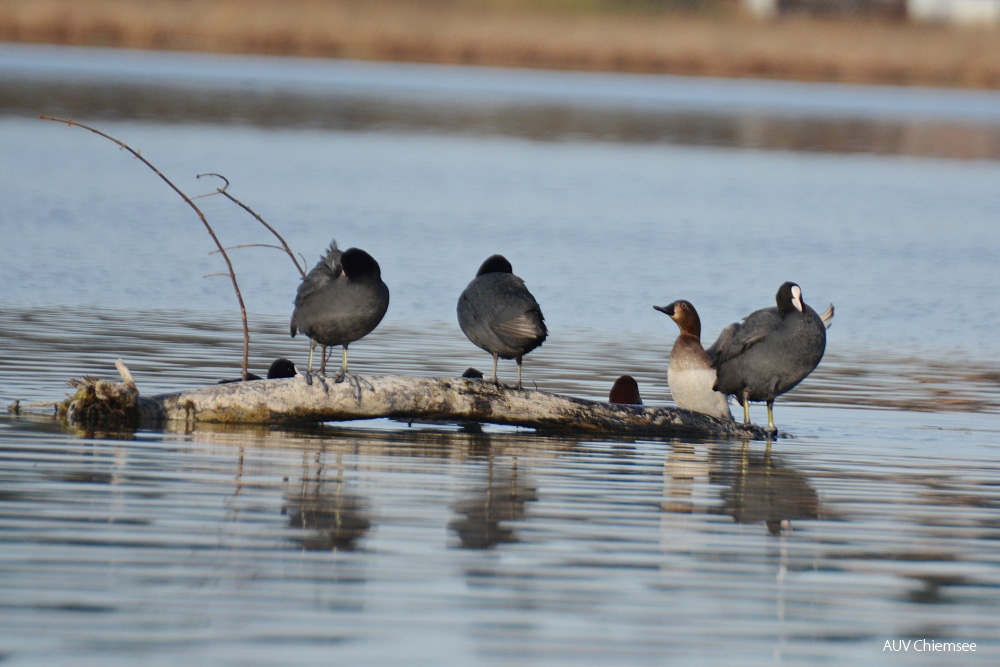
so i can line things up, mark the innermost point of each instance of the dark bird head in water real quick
(495, 264)
(281, 368)
(625, 391)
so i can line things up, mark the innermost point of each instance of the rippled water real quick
(383, 543)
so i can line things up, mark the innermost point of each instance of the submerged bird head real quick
(684, 314)
(281, 368)
(495, 264)
(789, 296)
(625, 391)
(359, 265)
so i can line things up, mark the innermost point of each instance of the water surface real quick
(877, 519)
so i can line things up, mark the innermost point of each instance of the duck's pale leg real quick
(495, 357)
(770, 417)
(519, 373)
(343, 360)
(746, 406)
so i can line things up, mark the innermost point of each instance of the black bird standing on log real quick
(341, 300)
(498, 314)
(770, 352)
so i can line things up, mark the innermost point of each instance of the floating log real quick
(404, 398)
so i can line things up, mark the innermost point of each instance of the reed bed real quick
(717, 41)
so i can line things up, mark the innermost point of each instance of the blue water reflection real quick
(353, 96)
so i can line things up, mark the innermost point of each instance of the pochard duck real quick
(690, 373)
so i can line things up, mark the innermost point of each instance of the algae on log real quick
(406, 398)
(98, 402)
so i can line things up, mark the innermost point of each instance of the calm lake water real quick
(380, 543)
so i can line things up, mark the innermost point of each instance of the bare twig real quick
(126, 374)
(201, 216)
(225, 192)
(249, 245)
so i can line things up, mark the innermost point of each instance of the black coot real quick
(498, 314)
(341, 300)
(771, 351)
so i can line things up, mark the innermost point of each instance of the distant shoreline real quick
(520, 35)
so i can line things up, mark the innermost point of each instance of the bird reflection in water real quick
(761, 488)
(328, 517)
(484, 515)
(756, 488)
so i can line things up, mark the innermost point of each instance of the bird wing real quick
(725, 336)
(522, 326)
(519, 314)
(327, 269)
(755, 328)
(500, 303)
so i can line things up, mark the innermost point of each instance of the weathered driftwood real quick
(406, 398)
(99, 402)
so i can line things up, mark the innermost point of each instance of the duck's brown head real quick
(686, 317)
(626, 391)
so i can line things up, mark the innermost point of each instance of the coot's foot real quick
(309, 375)
(355, 381)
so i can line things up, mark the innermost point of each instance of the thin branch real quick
(201, 216)
(249, 245)
(224, 191)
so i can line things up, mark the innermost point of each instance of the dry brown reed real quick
(522, 34)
